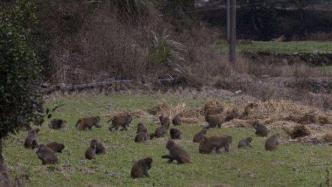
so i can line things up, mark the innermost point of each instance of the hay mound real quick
(238, 123)
(166, 110)
(193, 113)
(327, 138)
(159, 109)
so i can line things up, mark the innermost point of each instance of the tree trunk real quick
(4, 176)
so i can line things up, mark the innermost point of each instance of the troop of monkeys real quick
(214, 116)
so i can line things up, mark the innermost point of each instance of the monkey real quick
(141, 136)
(248, 109)
(215, 120)
(57, 124)
(199, 136)
(141, 168)
(214, 143)
(231, 114)
(245, 143)
(176, 153)
(272, 142)
(177, 120)
(88, 123)
(56, 147)
(212, 108)
(159, 132)
(91, 152)
(100, 148)
(141, 128)
(31, 140)
(121, 120)
(46, 155)
(261, 130)
(175, 133)
(164, 121)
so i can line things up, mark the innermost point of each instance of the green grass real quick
(292, 165)
(282, 47)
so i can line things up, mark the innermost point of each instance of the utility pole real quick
(228, 17)
(231, 30)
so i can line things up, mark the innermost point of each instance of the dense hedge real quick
(20, 68)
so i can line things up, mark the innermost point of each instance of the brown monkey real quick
(141, 168)
(231, 114)
(57, 124)
(248, 109)
(177, 120)
(31, 140)
(141, 128)
(213, 107)
(90, 153)
(261, 130)
(176, 153)
(214, 143)
(56, 147)
(272, 142)
(141, 137)
(121, 120)
(164, 121)
(175, 133)
(215, 120)
(88, 123)
(159, 132)
(46, 155)
(245, 143)
(200, 136)
(100, 148)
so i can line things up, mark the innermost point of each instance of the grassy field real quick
(292, 165)
(281, 47)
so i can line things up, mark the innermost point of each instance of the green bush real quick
(20, 68)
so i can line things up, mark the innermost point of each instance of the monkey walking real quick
(176, 153)
(31, 140)
(215, 143)
(141, 168)
(121, 120)
(46, 155)
(245, 143)
(200, 136)
(88, 123)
